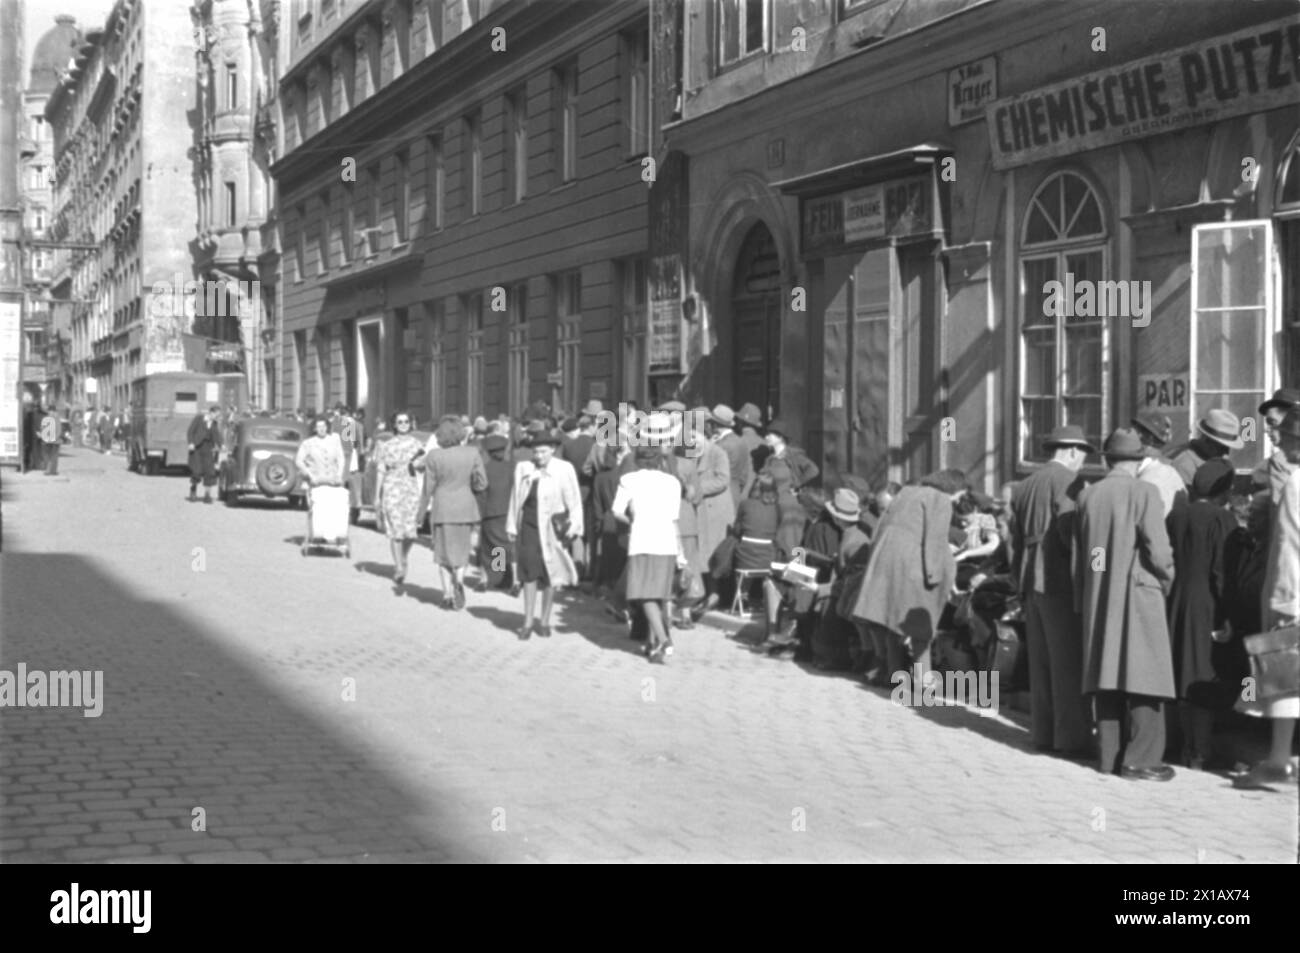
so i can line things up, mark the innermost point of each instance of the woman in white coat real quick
(545, 515)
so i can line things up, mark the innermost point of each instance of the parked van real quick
(164, 405)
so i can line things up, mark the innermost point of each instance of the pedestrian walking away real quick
(452, 476)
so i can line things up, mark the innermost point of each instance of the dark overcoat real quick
(1198, 534)
(206, 439)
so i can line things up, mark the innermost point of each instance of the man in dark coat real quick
(204, 440)
(1123, 567)
(749, 420)
(51, 435)
(1040, 545)
(494, 503)
(32, 448)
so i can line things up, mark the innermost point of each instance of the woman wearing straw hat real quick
(545, 515)
(649, 500)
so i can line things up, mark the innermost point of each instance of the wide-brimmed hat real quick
(1284, 397)
(542, 438)
(779, 427)
(1070, 435)
(1222, 426)
(1157, 425)
(593, 408)
(1124, 444)
(722, 414)
(1212, 478)
(659, 428)
(570, 423)
(750, 414)
(844, 505)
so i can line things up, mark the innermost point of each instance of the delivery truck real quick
(164, 405)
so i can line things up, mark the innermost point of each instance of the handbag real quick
(1274, 662)
(688, 586)
(560, 523)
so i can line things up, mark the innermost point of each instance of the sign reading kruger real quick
(1217, 78)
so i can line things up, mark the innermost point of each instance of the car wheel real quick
(277, 475)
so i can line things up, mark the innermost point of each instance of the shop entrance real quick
(756, 324)
(369, 383)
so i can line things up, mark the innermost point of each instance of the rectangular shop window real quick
(1235, 323)
(1064, 360)
(474, 335)
(517, 350)
(635, 322)
(568, 341)
(742, 29)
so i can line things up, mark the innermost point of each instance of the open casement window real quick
(742, 28)
(1235, 326)
(1064, 373)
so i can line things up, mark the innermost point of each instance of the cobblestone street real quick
(226, 656)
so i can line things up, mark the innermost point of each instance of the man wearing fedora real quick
(721, 429)
(1273, 472)
(1041, 510)
(749, 421)
(1154, 429)
(1219, 433)
(1123, 570)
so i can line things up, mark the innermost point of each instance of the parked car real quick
(259, 461)
(365, 508)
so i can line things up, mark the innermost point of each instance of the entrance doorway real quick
(369, 367)
(756, 324)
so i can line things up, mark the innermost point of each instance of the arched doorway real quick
(756, 323)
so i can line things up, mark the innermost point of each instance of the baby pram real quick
(327, 520)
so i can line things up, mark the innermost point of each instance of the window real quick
(300, 369)
(515, 146)
(1064, 374)
(38, 219)
(402, 37)
(402, 202)
(472, 306)
(435, 183)
(374, 228)
(232, 214)
(1234, 325)
(436, 336)
(1288, 241)
(636, 91)
(635, 322)
(348, 78)
(517, 350)
(472, 170)
(347, 229)
(568, 337)
(322, 234)
(566, 102)
(742, 29)
(324, 91)
(433, 26)
(232, 86)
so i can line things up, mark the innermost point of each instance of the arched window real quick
(1064, 378)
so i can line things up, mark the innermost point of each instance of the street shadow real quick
(500, 618)
(187, 724)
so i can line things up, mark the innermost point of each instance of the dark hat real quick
(1070, 435)
(1222, 426)
(1284, 397)
(1212, 478)
(543, 438)
(570, 423)
(749, 414)
(494, 441)
(778, 427)
(1124, 444)
(535, 427)
(1157, 425)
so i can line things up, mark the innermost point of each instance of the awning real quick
(868, 171)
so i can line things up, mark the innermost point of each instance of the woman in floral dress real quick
(398, 495)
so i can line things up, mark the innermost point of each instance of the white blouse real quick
(652, 499)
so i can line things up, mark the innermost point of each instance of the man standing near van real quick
(204, 441)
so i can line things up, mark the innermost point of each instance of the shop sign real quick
(895, 209)
(10, 358)
(1164, 392)
(971, 87)
(1247, 71)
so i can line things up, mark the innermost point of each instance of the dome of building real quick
(55, 49)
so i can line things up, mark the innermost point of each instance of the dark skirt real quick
(755, 555)
(650, 577)
(612, 558)
(531, 562)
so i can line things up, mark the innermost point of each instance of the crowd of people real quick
(1136, 590)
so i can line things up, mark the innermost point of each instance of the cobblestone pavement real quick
(226, 658)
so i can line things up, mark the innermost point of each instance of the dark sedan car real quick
(260, 461)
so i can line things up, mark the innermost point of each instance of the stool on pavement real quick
(744, 578)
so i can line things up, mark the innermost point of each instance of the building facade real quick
(124, 196)
(462, 205)
(882, 195)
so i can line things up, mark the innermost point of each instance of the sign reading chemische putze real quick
(1246, 71)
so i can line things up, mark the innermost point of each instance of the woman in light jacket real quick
(544, 488)
(452, 476)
